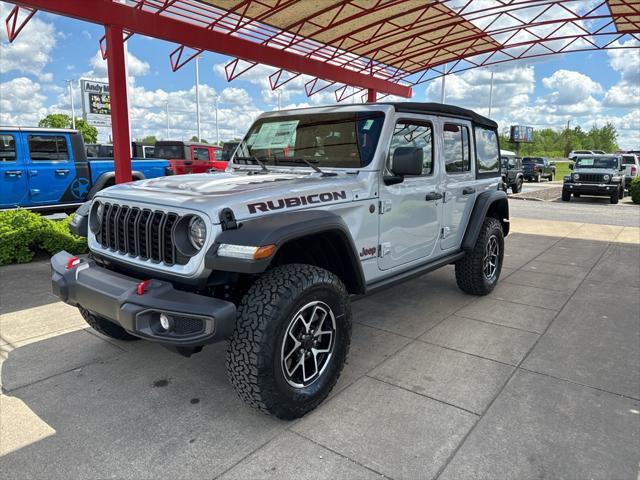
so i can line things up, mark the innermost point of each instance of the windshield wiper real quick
(309, 164)
(255, 159)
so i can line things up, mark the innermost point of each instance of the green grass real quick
(562, 169)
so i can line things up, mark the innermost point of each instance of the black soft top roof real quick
(443, 109)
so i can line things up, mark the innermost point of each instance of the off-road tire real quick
(470, 269)
(254, 358)
(537, 178)
(615, 197)
(621, 193)
(105, 327)
(566, 195)
(517, 187)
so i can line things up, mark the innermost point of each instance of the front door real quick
(13, 178)
(409, 216)
(50, 168)
(459, 182)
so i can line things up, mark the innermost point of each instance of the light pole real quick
(491, 94)
(73, 110)
(215, 102)
(279, 93)
(167, 105)
(443, 95)
(198, 95)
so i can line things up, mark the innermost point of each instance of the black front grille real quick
(591, 177)
(139, 232)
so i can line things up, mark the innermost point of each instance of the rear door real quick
(459, 182)
(50, 167)
(410, 210)
(13, 176)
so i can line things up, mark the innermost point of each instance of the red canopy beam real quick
(145, 23)
(118, 94)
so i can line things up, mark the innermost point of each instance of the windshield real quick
(595, 162)
(341, 140)
(169, 151)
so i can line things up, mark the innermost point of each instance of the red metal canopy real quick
(377, 46)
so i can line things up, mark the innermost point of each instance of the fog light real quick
(165, 323)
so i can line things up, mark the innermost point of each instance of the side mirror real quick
(571, 166)
(407, 161)
(552, 164)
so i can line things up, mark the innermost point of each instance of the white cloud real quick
(30, 52)
(21, 102)
(626, 93)
(135, 66)
(571, 88)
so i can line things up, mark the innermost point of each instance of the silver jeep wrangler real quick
(317, 206)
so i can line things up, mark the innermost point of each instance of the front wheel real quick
(566, 195)
(291, 340)
(517, 187)
(615, 197)
(479, 270)
(537, 178)
(621, 193)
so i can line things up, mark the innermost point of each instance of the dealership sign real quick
(96, 103)
(521, 134)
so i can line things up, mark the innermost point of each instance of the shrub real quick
(24, 233)
(634, 189)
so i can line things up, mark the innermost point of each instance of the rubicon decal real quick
(291, 202)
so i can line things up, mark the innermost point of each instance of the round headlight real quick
(95, 216)
(197, 232)
(100, 211)
(606, 178)
(576, 176)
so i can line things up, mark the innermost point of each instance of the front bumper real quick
(597, 189)
(195, 320)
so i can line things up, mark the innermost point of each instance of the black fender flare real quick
(278, 229)
(105, 177)
(496, 200)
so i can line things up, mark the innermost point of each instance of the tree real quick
(195, 139)
(149, 140)
(61, 120)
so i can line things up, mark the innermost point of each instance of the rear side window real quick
(217, 154)
(7, 148)
(200, 153)
(487, 151)
(420, 135)
(456, 148)
(48, 147)
(628, 160)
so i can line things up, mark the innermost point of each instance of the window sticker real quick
(275, 134)
(367, 125)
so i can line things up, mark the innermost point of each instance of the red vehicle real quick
(190, 157)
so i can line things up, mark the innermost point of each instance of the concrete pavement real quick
(540, 379)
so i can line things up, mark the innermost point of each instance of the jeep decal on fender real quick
(291, 202)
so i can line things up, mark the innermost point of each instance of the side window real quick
(201, 153)
(414, 134)
(456, 148)
(217, 154)
(48, 147)
(7, 148)
(487, 151)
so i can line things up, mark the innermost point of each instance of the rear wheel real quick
(105, 327)
(566, 195)
(291, 340)
(479, 270)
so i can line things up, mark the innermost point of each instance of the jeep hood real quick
(608, 171)
(247, 195)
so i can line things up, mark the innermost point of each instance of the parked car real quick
(512, 174)
(631, 163)
(228, 149)
(189, 157)
(599, 175)
(537, 168)
(138, 150)
(269, 254)
(142, 150)
(45, 167)
(573, 154)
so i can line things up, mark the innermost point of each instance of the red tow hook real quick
(73, 262)
(141, 289)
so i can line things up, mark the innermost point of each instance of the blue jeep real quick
(46, 167)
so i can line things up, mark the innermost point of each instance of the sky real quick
(585, 88)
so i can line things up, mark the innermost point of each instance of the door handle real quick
(468, 191)
(13, 173)
(62, 171)
(433, 196)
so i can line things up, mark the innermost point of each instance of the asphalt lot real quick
(540, 379)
